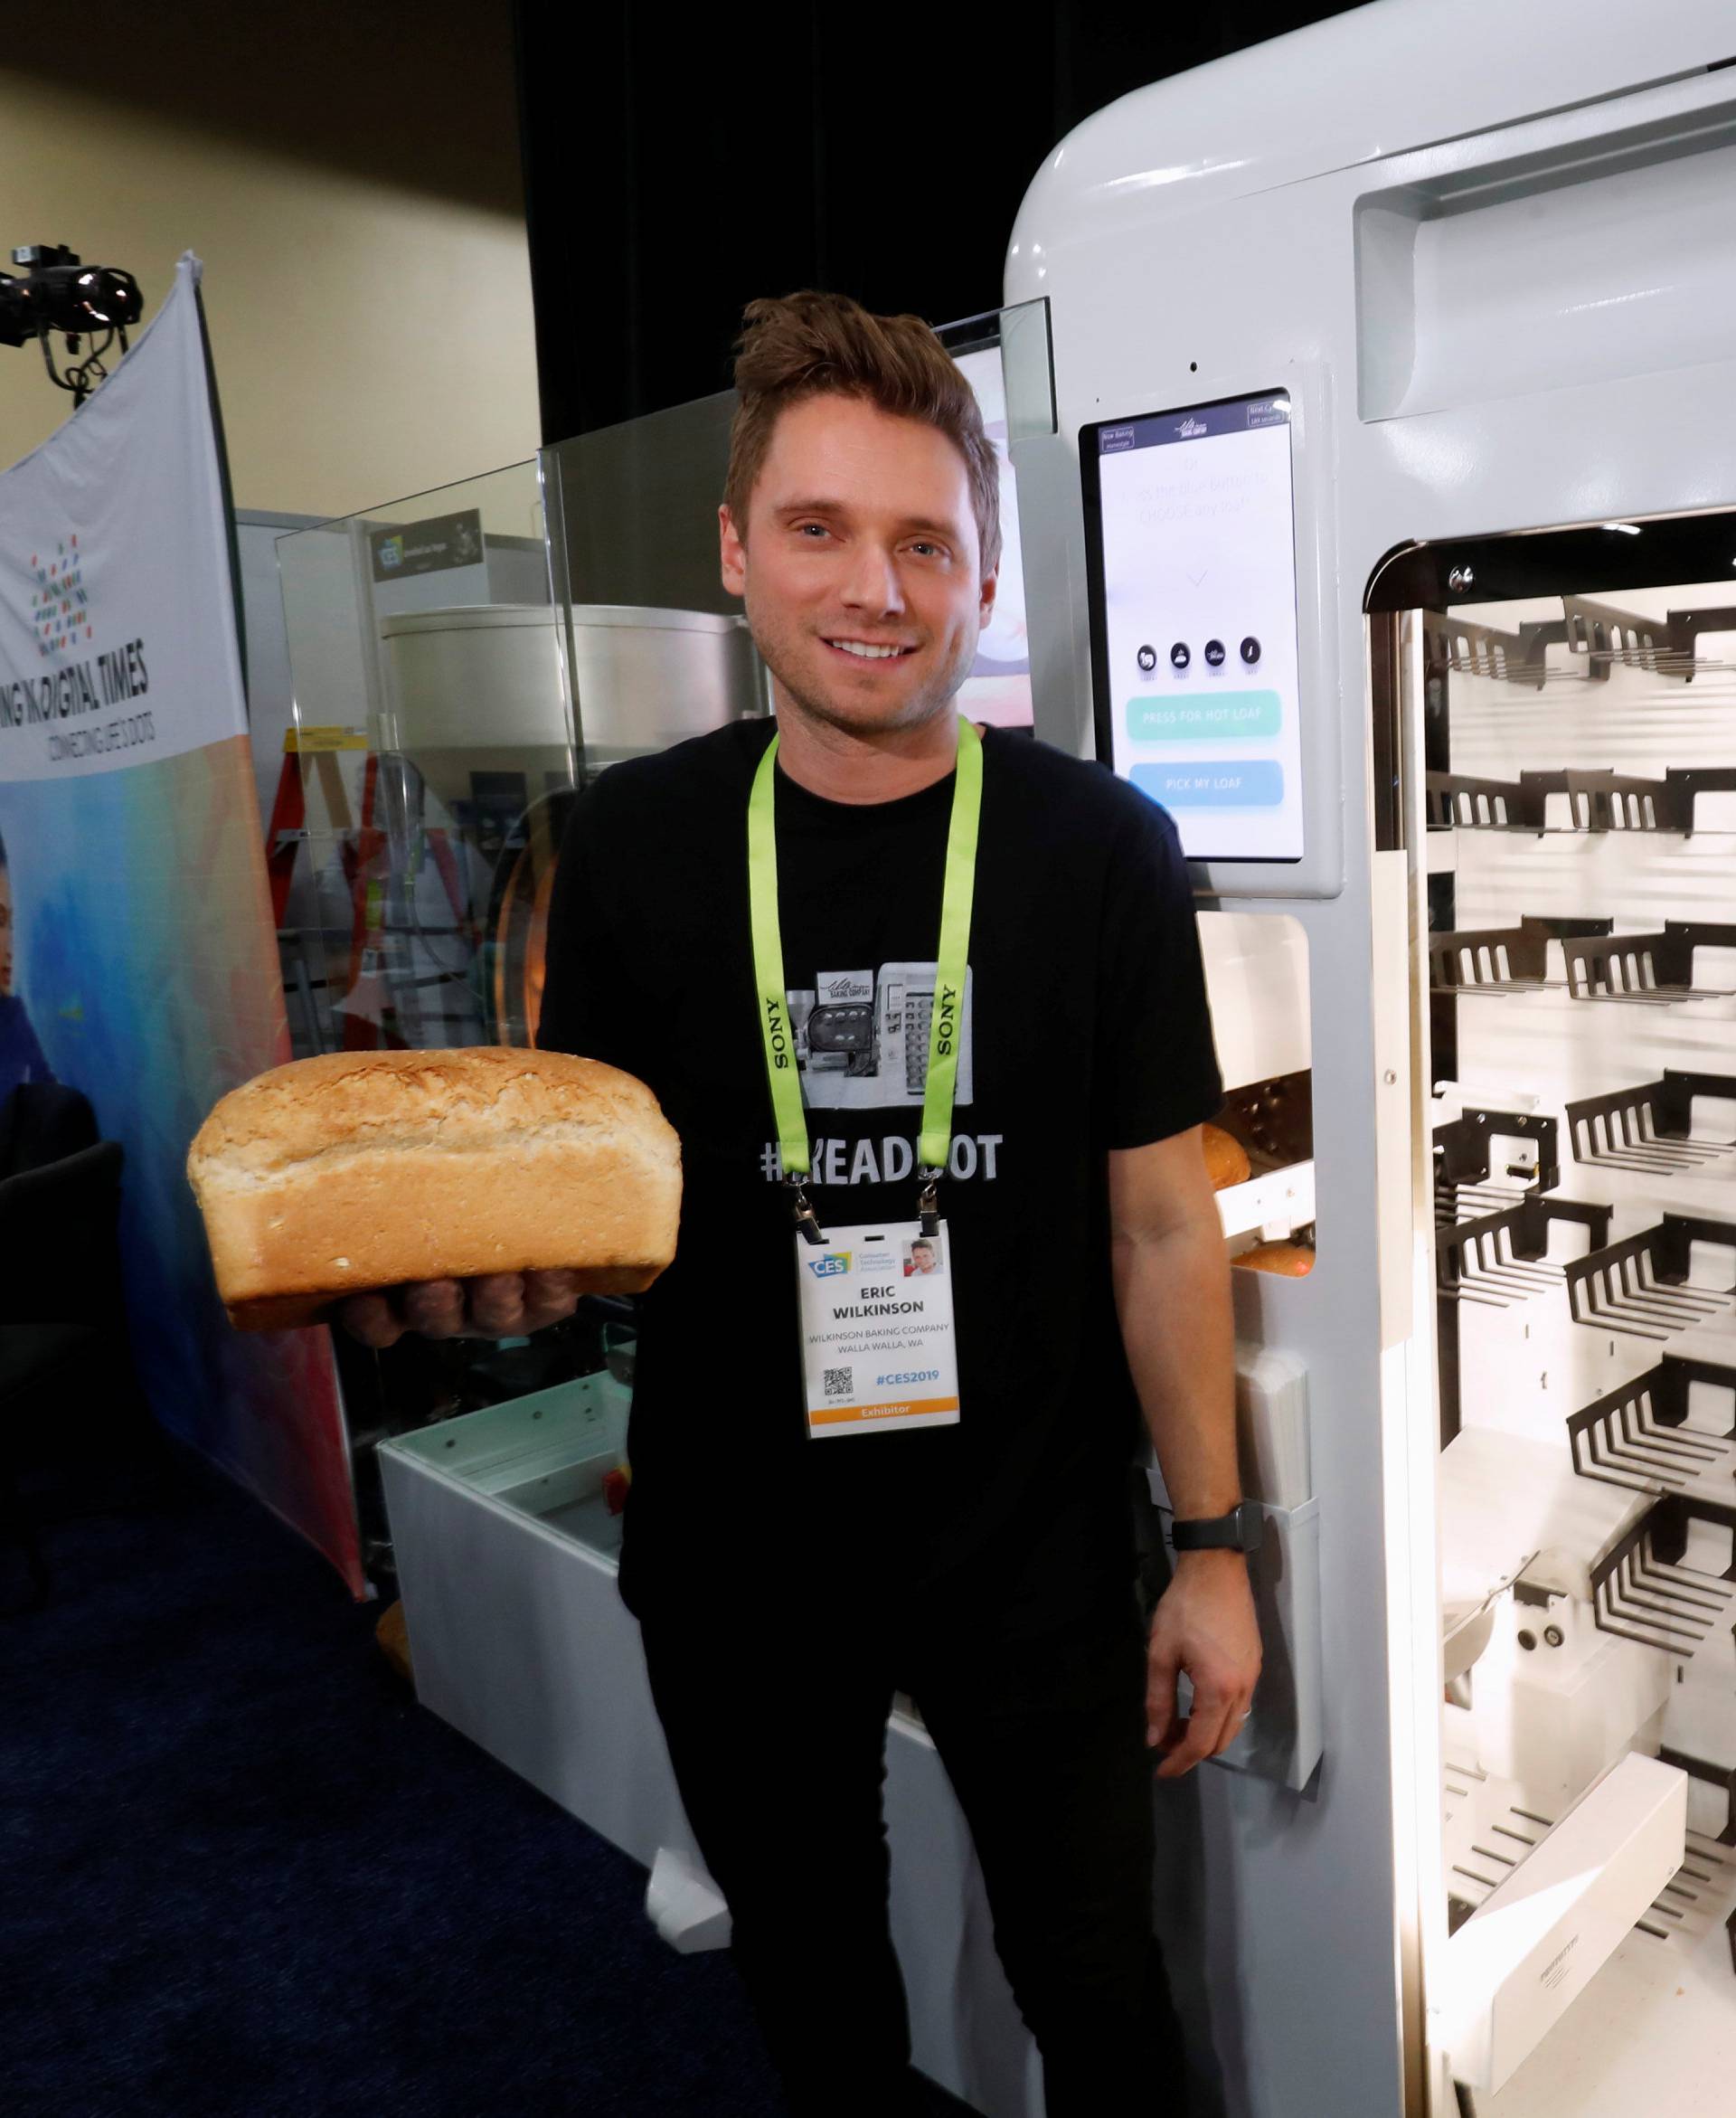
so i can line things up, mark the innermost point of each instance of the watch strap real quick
(1239, 1531)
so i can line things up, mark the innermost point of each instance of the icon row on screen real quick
(1181, 655)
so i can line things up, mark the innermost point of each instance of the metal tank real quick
(486, 678)
(480, 753)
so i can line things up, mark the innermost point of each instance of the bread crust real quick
(334, 1175)
(1226, 1159)
(1294, 1261)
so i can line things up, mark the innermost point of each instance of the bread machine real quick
(1385, 531)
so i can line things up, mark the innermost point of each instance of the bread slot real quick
(1264, 1135)
(1260, 1146)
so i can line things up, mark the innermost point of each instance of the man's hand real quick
(1204, 1623)
(498, 1305)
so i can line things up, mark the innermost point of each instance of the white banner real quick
(138, 960)
(117, 636)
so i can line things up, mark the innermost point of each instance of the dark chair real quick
(44, 1121)
(62, 1327)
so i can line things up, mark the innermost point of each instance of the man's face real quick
(859, 536)
(5, 932)
(923, 1257)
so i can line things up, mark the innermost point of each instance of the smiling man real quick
(992, 947)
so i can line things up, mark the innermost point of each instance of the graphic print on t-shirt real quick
(862, 1038)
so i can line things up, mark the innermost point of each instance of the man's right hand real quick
(497, 1305)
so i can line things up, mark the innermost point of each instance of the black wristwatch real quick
(1239, 1531)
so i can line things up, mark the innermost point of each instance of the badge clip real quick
(806, 1227)
(927, 1202)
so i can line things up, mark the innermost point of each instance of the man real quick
(922, 1258)
(786, 1586)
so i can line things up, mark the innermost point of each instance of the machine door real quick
(1556, 745)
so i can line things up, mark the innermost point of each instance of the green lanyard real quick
(945, 1023)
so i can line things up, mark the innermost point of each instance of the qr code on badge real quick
(840, 1382)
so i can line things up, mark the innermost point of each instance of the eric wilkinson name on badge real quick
(877, 1337)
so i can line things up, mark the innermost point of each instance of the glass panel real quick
(657, 649)
(431, 764)
(1005, 356)
(1028, 371)
(1569, 772)
(429, 767)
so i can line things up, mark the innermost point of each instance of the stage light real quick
(56, 293)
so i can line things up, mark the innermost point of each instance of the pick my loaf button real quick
(1209, 783)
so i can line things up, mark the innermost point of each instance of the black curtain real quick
(675, 168)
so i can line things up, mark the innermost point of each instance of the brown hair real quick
(812, 344)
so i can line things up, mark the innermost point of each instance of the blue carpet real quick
(243, 1873)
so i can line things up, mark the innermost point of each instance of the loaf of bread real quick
(363, 1169)
(1295, 1261)
(1226, 1159)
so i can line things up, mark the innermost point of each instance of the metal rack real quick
(1722, 1777)
(1646, 970)
(1685, 628)
(1600, 635)
(1613, 801)
(1460, 801)
(1469, 649)
(1616, 801)
(1668, 1580)
(1597, 637)
(1694, 1894)
(1502, 1258)
(1724, 1780)
(1649, 1128)
(1489, 959)
(1643, 1590)
(1465, 1172)
(1518, 1830)
(1637, 1434)
(1638, 1286)
(1653, 970)
(1503, 959)
(1597, 801)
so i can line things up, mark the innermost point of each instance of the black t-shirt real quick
(1085, 1028)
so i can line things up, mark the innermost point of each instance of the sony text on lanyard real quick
(944, 1024)
(875, 1302)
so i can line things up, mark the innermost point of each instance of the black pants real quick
(1043, 1738)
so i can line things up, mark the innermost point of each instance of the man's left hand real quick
(1204, 1623)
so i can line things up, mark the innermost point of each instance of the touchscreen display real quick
(1194, 646)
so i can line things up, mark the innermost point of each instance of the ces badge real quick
(877, 1342)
